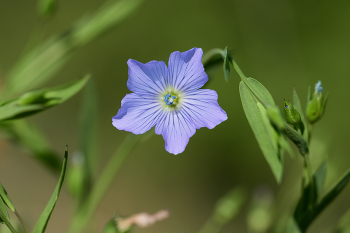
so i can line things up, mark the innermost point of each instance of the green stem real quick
(7, 222)
(103, 183)
(311, 179)
(21, 221)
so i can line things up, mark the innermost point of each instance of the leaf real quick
(309, 196)
(36, 101)
(4, 211)
(227, 61)
(29, 138)
(46, 214)
(262, 91)
(261, 131)
(40, 64)
(297, 106)
(297, 138)
(306, 218)
(5, 197)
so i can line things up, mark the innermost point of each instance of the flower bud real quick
(316, 104)
(291, 114)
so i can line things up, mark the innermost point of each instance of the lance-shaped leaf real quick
(3, 210)
(262, 131)
(297, 106)
(40, 64)
(46, 214)
(30, 139)
(305, 218)
(36, 101)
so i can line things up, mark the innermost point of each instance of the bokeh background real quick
(281, 43)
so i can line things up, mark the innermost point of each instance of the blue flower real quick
(170, 99)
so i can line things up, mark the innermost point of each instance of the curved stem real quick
(21, 221)
(102, 184)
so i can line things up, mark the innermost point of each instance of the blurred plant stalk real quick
(43, 62)
(103, 183)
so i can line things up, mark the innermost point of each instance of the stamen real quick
(168, 99)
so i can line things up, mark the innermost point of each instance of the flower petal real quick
(186, 71)
(145, 79)
(137, 115)
(176, 128)
(203, 108)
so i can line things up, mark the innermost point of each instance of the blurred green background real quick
(278, 42)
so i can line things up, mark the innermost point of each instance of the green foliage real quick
(40, 64)
(46, 214)
(297, 138)
(303, 126)
(263, 131)
(215, 57)
(312, 203)
(5, 197)
(36, 101)
(28, 137)
(46, 8)
(111, 227)
(3, 210)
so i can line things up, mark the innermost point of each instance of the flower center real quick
(169, 99)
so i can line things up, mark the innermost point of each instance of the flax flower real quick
(170, 99)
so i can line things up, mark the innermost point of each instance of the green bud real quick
(291, 114)
(33, 97)
(4, 196)
(275, 115)
(47, 8)
(316, 104)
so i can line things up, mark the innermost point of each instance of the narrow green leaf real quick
(5, 197)
(262, 91)
(261, 131)
(46, 214)
(306, 218)
(4, 211)
(305, 202)
(297, 138)
(297, 106)
(7, 222)
(29, 138)
(37, 101)
(40, 64)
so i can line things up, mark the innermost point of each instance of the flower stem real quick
(102, 184)
(311, 179)
(21, 221)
